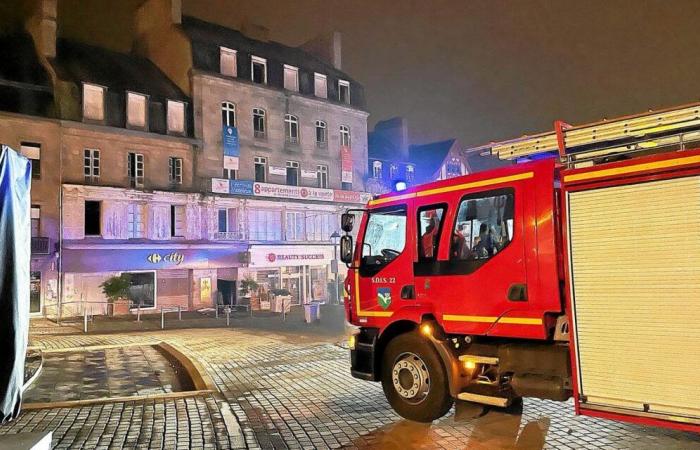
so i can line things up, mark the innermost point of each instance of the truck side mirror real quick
(346, 248)
(347, 221)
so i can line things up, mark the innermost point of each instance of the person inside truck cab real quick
(428, 239)
(483, 244)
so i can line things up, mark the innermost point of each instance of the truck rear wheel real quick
(414, 379)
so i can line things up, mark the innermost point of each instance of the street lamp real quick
(335, 236)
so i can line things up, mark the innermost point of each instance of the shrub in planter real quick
(116, 289)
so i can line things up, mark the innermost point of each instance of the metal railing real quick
(259, 134)
(40, 246)
(227, 236)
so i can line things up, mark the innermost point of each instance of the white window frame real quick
(295, 166)
(91, 164)
(35, 216)
(393, 171)
(260, 161)
(258, 60)
(135, 224)
(410, 173)
(32, 151)
(260, 112)
(377, 169)
(346, 84)
(136, 173)
(175, 169)
(181, 230)
(228, 110)
(322, 176)
(345, 136)
(295, 221)
(228, 233)
(321, 125)
(133, 97)
(291, 129)
(233, 54)
(320, 93)
(230, 174)
(95, 89)
(295, 72)
(172, 104)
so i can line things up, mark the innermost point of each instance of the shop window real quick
(258, 70)
(259, 123)
(91, 165)
(142, 288)
(344, 91)
(135, 221)
(227, 62)
(260, 169)
(135, 169)
(321, 133)
(483, 226)
(176, 117)
(292, 173)
(322, 176)
(93, 102)
(291, 78)
(177, 221)
(294, 226)
(265, 224)
(291, 129)
(32, 152)
(36, 220)
(228, 114)
(92, 218)
(320, 85)
(175, 170)
(429, 229)
(344, 136)
(136, 109)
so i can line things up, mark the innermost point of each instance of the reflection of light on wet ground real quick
(492, 428)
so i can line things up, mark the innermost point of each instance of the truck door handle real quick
(517, 292)
(408, 292)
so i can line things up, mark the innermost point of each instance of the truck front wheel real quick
(414, 379)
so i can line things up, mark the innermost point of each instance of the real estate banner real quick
(232, 148)
(346, 164)
(247, 187)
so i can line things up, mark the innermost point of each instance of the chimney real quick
(255, 31)
(395, 130)
(42, 26)
(327, 47)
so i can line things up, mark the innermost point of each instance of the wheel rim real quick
(411, 378)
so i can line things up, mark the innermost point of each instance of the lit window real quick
(36, 220)
(344, 136)
(322, 176)
(228, 114)
(344, 91)
(291, 129)
(393, 172)
(32, 152)
(320, 85)
(259, 123)
(135, 169)
(93, 102)
(175, 169)
(91, 165)
(258, 69)
(292, 173)
(136, 109)
(265, 225)
(176, 116)
(321, 133)
(377, 169)
(410, 174)
(291, 78)
(227, 62)
(260, 169)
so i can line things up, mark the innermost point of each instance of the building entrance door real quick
(291, 281)
(227, 291)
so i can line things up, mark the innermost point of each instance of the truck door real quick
(385, 263)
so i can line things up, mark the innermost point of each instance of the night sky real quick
(480, 70)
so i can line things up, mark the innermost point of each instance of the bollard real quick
(84, 318)
(138, 312)
(179, 313)
(162, 319)
(228, 316)
(216, 311)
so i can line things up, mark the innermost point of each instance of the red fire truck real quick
(575, 271)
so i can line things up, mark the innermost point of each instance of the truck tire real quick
(414, 379)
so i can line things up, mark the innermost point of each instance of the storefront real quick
(302, 270)
(186, 275)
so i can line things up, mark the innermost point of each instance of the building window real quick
(91, 165)
(227, 62)
(291, 129)
(377, 169)
(344, 136)
(322, 176)
(265, 225)
(32, 152)
(393, 172)
(258, 70)
(292, 173)
(135, 228)
(175, 166)
(228, 114)
(344, 91)
(294, 226)
(320, 85)
(228, 223)
(36, 220)
(410, 174)
(177, 220)
(93, 102)
(176, 117)
(92, 218)
(321, 133)
(135, 169)
(260, 169)
(259, 123)
(319, 226)
(291, 78)
(136, 109)
(230, 174)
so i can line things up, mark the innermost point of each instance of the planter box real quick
(119, 308)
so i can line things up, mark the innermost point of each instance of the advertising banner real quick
(247, 187)
(346, 164)
(276, 170)
(351, 196)
(232, 147)
(294, 192)
(290, 255)
(240, 187)
(308, 173)
(219, 185)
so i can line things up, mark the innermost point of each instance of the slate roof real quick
(25, 87)
(429, 157)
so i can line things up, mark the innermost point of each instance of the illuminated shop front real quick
(186, 275)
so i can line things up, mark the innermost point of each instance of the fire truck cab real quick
(575, 273)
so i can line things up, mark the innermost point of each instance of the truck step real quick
(478, 359)
(501, 402)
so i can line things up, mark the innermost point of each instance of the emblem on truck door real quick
(384, 297)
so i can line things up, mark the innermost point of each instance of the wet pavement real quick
(113, 372)
(274, 391)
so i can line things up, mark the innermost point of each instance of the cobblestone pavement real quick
(275, 392)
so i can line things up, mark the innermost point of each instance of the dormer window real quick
(344, 91)
(258, 69)
(377, 169)
(136, 110)
(227, 62)
(320, 85)
(291, 78)
(93, 102)
(176, 117)
(410, 172)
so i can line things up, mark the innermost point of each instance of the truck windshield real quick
(385, 237)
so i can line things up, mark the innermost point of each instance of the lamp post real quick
(334, 237)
